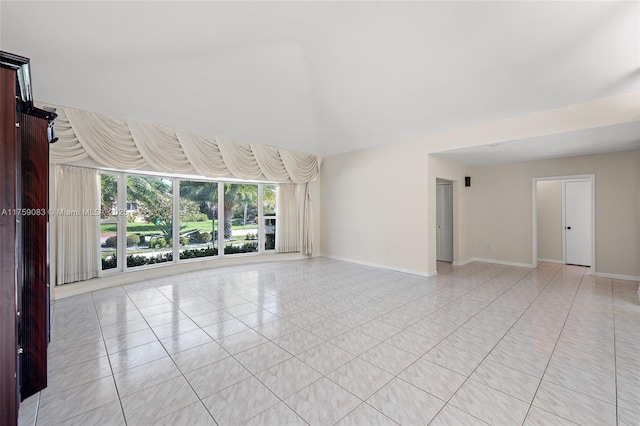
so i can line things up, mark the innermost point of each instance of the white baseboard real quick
(503, 262)
(462, 262)
(551, 261)
(377, 265)
(620, 277)
(616, 276)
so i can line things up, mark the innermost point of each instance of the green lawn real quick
(151, 229)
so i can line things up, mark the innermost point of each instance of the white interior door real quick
(444, 222)
(577, 222)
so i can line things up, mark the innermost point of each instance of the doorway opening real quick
(444, 221)
(564, 220)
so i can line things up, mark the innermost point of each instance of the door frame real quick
(564, 216)
(591, 178)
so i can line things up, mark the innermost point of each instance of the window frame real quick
(121, 220)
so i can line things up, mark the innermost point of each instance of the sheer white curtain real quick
(288, 224)
(307, 222)
(77, 200)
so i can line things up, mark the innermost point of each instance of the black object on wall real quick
(467, 181)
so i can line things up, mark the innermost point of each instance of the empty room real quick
(320, 213)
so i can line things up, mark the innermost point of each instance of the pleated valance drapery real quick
(130, 145)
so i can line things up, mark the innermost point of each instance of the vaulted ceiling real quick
(326, 77)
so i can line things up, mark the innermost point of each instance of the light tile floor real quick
(325, 342)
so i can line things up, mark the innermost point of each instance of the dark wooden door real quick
(24, 269)
(9, 159)
(35, 298)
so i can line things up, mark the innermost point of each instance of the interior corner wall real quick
(374, 208)
(379, 208)
(502, 205)
(549, 213)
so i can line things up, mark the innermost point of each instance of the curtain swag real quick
(131, 145)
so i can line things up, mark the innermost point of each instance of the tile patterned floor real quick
(325, 342)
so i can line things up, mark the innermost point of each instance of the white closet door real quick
(444, 222)
(577, 223)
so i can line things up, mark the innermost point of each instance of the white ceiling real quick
(599, 140)
(329, 77)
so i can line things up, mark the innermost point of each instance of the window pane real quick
(269, 212)
(109, 245)
(198, 216)
(108, 196)
(240, 218)
(149, 220)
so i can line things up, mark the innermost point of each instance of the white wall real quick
(378, 207)
(502, 202)
(374, 208)
(549, 213)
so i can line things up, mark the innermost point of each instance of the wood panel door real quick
(35, 268)
(9, 157)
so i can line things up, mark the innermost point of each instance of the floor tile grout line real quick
(595, 374)
(104, 342)
(163, 347)
(531, 303)
(397, 376)
(182, 374)
(357, 356)
(313, 382)
(554, 348)
(453, 331)
(95, 312)
(360, 405)
(470, 374)
(615, 353)
(240, 363)
(281, 400)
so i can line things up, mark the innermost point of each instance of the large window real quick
(143, 223)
